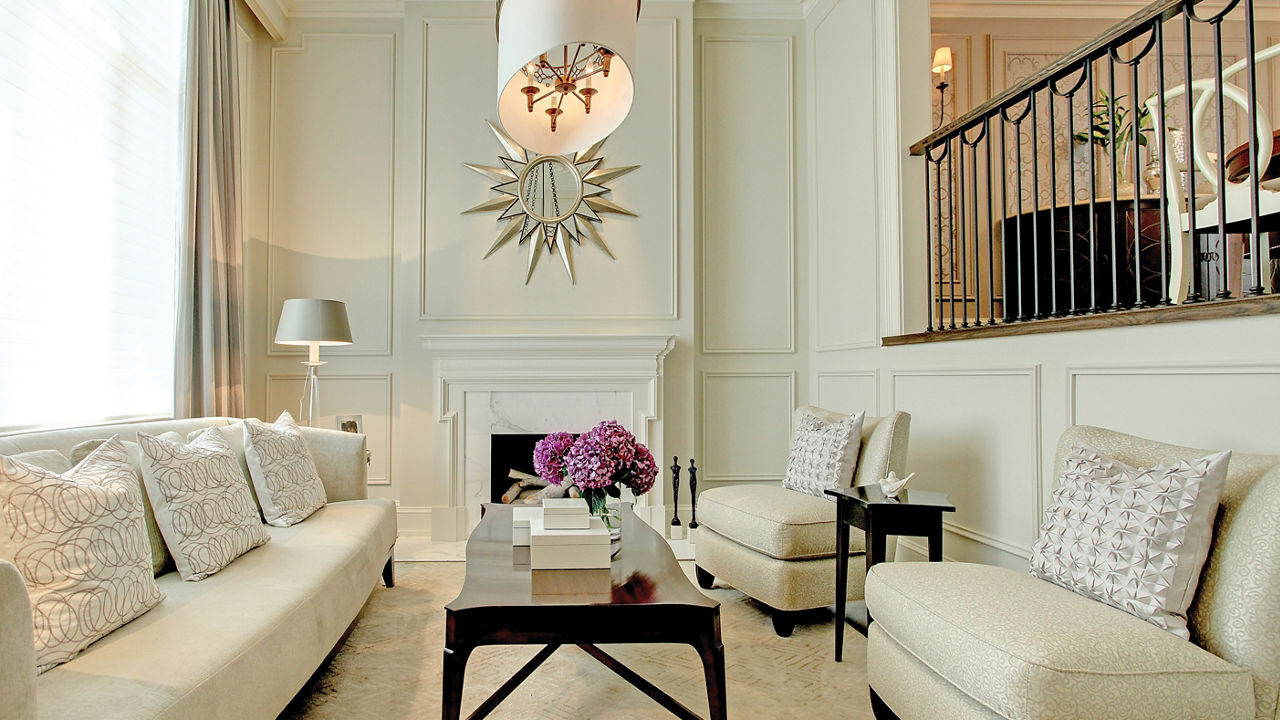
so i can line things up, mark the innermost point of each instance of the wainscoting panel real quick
(330, 203)
(745, 426)
(847, 392)
(369, 396)
(748, 195)
(976, 435)
(1209, 406)
(458, 282)
(844, 262)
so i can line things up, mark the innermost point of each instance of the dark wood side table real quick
(914, 512)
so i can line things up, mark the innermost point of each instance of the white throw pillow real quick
(1133, 538)
(201, 502)
(80, 543)
(824, 452)
(283, 471)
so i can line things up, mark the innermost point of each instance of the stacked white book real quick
(566, 537)
(520, 517)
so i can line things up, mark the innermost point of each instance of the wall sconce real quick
(942, 64)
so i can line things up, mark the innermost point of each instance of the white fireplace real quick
(496, 384)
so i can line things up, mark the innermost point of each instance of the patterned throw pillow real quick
(79, 541)
(824, 453)
(201, 502)
(1133, 538)
(283, 472)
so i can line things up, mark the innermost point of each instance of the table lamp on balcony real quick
(312, 322)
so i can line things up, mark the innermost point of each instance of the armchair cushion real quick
(1035, 650)
(775, 521)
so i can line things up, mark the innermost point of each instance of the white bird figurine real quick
(893, 485)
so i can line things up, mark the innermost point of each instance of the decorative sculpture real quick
(893, 486)
(693, 494)
(675, 491)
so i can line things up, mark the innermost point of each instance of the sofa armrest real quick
(341, 461)
(17, 647)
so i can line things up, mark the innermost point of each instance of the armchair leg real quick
(705, 579)
(879, 708)
(784, 622)
(389, 571)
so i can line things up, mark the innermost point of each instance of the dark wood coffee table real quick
(650, 601)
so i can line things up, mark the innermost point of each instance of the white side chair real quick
(779, 546)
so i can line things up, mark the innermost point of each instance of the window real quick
(90, 191)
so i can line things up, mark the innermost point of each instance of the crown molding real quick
(272, 15)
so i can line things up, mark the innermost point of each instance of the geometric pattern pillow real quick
(1133, 538)
(283, 472)
(824, 453)
(79, 541)
(201, 501)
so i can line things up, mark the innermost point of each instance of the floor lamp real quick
(312, 322)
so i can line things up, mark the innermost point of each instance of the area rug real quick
(390, 666)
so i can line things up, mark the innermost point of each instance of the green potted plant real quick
(1098, 134)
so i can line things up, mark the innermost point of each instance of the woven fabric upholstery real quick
(1026, 648)
(773, 520)
(780, 584)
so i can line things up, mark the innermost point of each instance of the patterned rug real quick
(390, 666)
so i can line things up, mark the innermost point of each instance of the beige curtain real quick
(210, 347)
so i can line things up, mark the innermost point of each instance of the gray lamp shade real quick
(309, 320)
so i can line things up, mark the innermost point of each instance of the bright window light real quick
(90, 190)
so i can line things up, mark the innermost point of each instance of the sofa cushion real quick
(1035, 650)
(234, 435)
(161, 560)
(283, 473)
(203, 509)
(51, 460)
(824, 451)
(773, 520)
(240, 643)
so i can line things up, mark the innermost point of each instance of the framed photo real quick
(350, 423)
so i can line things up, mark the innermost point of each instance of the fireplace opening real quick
(511, 476)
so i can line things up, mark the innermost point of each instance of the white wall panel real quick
(847, 392)
(458, 282)
(746, 425)
(1222, 406)
(975, 434)
(748, 196)
(366, 395)
(332, 153)
(844, 259)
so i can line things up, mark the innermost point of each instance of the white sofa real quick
(239, 644)
(958, 640)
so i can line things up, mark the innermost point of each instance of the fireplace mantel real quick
(536, 383)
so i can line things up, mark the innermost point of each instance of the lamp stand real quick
(311, 386)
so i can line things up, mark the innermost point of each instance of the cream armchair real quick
(957, 640)
(779, 546)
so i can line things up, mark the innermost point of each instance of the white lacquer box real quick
(565, 514)
(520, 523)
(554, 549)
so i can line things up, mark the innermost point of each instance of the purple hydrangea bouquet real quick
(600, 463)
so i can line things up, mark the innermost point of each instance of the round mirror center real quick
(550, 189)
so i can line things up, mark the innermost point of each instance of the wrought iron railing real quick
(1116, 178)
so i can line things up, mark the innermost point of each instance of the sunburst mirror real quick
(550, 202)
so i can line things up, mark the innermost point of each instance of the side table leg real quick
(935, 542)
(842, 576)
(455, 669)
(711, 650)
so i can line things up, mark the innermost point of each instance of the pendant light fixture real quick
(564, 73)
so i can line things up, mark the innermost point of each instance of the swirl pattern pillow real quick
(80, 543)
(824, 453)
(202, 504)
(283, 472)
(1133, 538)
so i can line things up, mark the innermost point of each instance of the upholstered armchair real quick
(779, 546)
(958, 640)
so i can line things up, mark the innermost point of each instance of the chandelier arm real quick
(584, 100)
(597, 71)
(569, 66)
(543, 96)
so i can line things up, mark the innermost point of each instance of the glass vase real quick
(597, 501)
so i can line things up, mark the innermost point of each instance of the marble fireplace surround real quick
(493, 384)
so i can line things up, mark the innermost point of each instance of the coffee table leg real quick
(455, 670)
(711, 650)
